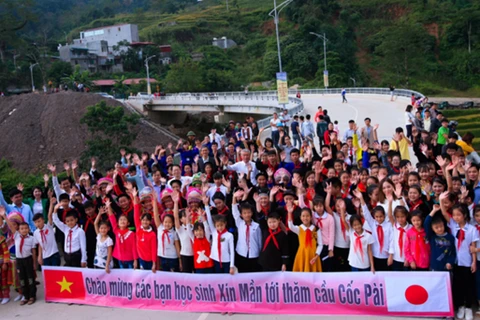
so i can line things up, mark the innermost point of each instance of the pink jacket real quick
(327, 227)
(417, 249)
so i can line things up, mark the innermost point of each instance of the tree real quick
(184, 76)
(59, 70)
(111, 129)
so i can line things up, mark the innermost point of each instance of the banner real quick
(325, 78)
(415, 294)
(282, 88)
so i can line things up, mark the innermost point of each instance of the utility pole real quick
(274, 13)
(31, 75)
(149, 90)
(325, 70)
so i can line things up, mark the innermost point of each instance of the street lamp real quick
(325, 71)
(31, 75)
(224, 42)
(354, 81)
(15, 60)
(274, 14)
(149, 90)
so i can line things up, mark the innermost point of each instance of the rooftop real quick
(104, 27)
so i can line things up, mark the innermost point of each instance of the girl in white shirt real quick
(104, 249)
(223, 252)
(184, 230)
(168, 249)
(360, 256)
(396, 258)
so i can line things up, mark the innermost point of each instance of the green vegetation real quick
(111, 130)
(10, 177)
(468, 121)
(432, 46)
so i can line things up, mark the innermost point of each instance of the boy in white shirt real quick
(75, 241)
(26, 256)
(45, 237)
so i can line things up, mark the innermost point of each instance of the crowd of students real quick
(236, 203)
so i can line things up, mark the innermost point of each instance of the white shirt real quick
(395, 204)
(37, 207)
(215, 138)
(211, 192)
(29, 243)
(250, 249)
(296, 229)
(359, 259)
(185, 181)
(241, 167)
(166, 244)
(184, 234)
(273, 124)
(394, 247)
(340, 241)
(47, 242)
(76, 242)
(101, 252)
(387, 234)
(464, 257)
(226, 243)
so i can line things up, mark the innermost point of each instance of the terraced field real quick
(468, 121)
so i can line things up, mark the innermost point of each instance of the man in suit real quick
(204, 158)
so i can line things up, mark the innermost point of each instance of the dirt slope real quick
(36, 129)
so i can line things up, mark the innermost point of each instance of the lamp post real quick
(31, 75)
(325, 71)
(149, 90)
(15, 60)
(354, 81)
(274, 14)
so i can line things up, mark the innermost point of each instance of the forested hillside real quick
(432, 46)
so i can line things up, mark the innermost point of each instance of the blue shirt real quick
(442, 247)
(24, 210)
(476, 191)
(294, 127)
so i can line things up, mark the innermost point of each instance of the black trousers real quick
(327, 264)
(26, 273)
(381, 264)
(246, 264)
(340, 259)
(187, 264)
(73, 259)
(463, 286)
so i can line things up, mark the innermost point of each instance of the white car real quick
(105, 95)
(144, 95)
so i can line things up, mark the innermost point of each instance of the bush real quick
(453, 113)
(10, 177)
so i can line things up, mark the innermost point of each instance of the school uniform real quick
(358, 255)
(382, 234)
(201, 251)
(275, 250)
(326, 224)
(227, 214)
(146, 241)
(222, 253)
(463, 278)
(25, 265)
(125, 249)
(166, 249)
(249, 243)
(186, 251)
(75, 247)
(397, 246)
(341, 245)
(45, 237)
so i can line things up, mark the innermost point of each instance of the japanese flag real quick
(420, 292)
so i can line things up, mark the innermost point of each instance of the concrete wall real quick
(111, 34)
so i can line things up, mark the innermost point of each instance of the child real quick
(396, 252)
(146, 238)
(75, 246)
(26, 255)
(184, 231)
(88, 214)
(466, 236)
(381, 232)
(249, 241)
(5, 267)
(306, 259)
(476, 221)
(326, 224)
(442, 243)
(168, 244)
(201, 247)
(360, 256)
(222, 252)
(417, 250)
(342, 240)
(125, 249)
(274, 254)
(45, 236)
(103, 252)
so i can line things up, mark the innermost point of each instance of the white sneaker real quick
(19, 297)
(468, 314)
(5, 300)
(23, 298)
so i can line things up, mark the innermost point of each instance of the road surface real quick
(379, 108)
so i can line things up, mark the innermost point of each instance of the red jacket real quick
(146, 240)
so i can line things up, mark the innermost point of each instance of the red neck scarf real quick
(129, 208)
(381, 236)
(478, 227)
(271, 237)
(22, 241)
(297, 165)
(90, 220)
(265, 210)
(415, 205)
(273, 167)
(308, 238)
(344, 191)
(401, 233)
(358, 245)
(460, 237)
(222, 212)
(122, 233)
(419, 242)
(43, 237)
(319, 223)
(165, 235)
(219, 245)
(344, 230)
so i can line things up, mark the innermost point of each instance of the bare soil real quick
(36, 129)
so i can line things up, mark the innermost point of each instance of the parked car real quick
(144, 95)
(105, 95)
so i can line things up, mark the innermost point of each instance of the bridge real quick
(236, 105)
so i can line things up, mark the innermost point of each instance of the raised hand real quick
(66, 166)
(74, 164)
(328, 187)
(20, 186)
(444, 195)
(398, 190)
(52, 168)
(441, 161)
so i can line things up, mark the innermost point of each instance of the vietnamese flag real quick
(62, 284)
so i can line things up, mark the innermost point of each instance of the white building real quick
(112, 34)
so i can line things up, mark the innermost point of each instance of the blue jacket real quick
(442, 247)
